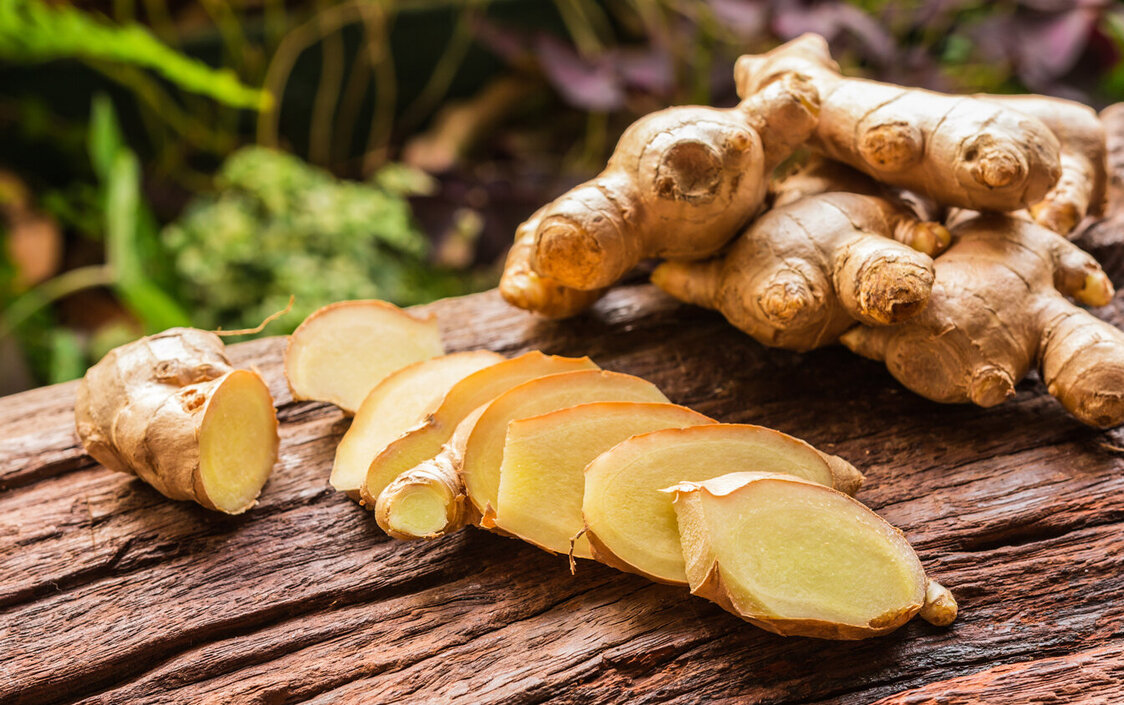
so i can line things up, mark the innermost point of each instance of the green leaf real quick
(33, 31)
(105, 141)
(68, 357)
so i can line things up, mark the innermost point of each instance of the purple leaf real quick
(1048, 47)
(834, 21)
(586, 85)
(649, 70)
(745, 18)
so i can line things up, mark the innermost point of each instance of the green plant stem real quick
(52, 290)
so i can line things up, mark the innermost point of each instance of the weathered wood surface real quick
(111, 594)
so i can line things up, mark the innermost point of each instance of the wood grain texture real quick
(111, 594)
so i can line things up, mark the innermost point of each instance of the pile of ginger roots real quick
(924, 230)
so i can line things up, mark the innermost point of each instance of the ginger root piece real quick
(542, 477)
(521, 287)
(469, 465)
(1081, 189)
(679, 184)
(426, 441)
(171, 410)
(630, 523)
(800, 559)
(997, 308)
(397, 404)
(803, 273)
(341, 351)
(958, 150)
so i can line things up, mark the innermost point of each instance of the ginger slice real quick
(542, 477)
(341, 351)
(170, 409)
(630, 522)
(800, 559)
(469, 465)
(479, 388)
(397, 404)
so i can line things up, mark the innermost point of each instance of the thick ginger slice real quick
(1080, 190)
(680, 184)
(542, 477)
(800, 559)
(630, 523)
(804, 272)
(341, 351)
(469, 465)
(998, 308)
(423, 443)
(171, 410)
(397, 404)
(958, 150)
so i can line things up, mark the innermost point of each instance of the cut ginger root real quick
(469, 466)
(341, 351)
(424, 442)
(801, 559)
(960, 151)
(542, 476)
(397, 404)
(804, 272)
(630, 523)
(172, 411)
(999, 308)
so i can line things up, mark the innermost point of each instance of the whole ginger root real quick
(998, 307)
(680, 184)
(805, 271)
(958, 150)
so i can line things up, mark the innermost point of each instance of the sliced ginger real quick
(469, 465)
(341, 351)
(425, 442)
(630, 523)
(396, 405)
(171, 410)
(800, 559)
(542, 476)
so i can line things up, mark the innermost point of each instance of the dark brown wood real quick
(112, 594)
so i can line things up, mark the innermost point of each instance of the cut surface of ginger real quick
(542, 476)
(484, 448)
(340, 352)
(425, 442)
(798, 558)
(237, 442)
(397, 404)
(630, 522)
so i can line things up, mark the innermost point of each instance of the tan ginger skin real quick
(679, 184)
(958, 150)
(997, 308)
(805, 271)
(141, 410)
(1081, 189)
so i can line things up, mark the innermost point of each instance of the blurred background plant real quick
(196, 163)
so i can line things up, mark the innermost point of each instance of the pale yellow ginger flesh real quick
(800, 559)
(469, 465)
(397, 404)
(542, 476)
(484, 449)
(630, 523)
(171, 410)
(341, 351)
(477, 389)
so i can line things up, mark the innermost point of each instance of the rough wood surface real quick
(111, 594)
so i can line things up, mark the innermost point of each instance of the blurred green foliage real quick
(278, 227)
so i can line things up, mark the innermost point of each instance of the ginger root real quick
(397, 404)
(800, 559)
(171, 410)
(958, 150)
(679, 184)
(630, 523)
(802, 273)
(998, 307)
(341, 351)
